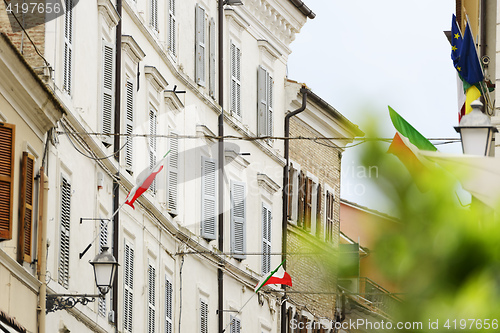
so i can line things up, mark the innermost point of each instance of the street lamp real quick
(104, 271)
(476, 131)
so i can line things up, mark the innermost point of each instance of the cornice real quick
(154, 76)
(267, 183)
(108, 12)
(130, 46)
(267, 47)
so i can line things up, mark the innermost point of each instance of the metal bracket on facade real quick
(56, 302)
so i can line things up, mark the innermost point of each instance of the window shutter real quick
(270, 124)
(173, 173)
(238, 217)
(168, 306)
(203, 316)
(235, 325)
(301, 199)
(318, 211)
(7, 144)
(128, 304)
(151, 298)
(26, 207)
(152, 145)
(129, 125)
(212, 60)
(68, 46)
(153, 14)
(200, 45)
(289, 193)
(103, 241)
(262, 107)
(235, 91)
(208, 198)
(329, 217)
(172, 39)
(266, 239)
(64, 239)
(107, 91)
(308, 206)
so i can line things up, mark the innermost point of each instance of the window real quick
(235, 325)
(7, 144)
(68, 46)
(308, 203)
(128, 277)
(208, 198)
(212, 60)
(235, 88)
(63, 270)
(129, 125)
(200, 45)
(26, 207)
(152, 144)
(238, 217)
(168, 306)
(107, 100)
(103, 242)
(151, 298)
(265, 103)
(318, 211)
(173, 173)
(329, 216)
(153, 14)
(301, 200)
(203, 316)
(266, 238)
(172, 39)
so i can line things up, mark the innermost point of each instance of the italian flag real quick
(278, 276)
(407, 142)
(144, 180)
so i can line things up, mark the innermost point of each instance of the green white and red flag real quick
(144, 180)
(277, 276)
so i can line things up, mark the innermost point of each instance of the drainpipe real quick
(42, 248)
(284, 224)
(220, 123)
(116, 187)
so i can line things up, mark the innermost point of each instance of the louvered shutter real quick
(318, 211)
(208, 198)
(172, 39)
(329, 217)
(212, 60)
(173, 173)
(262, 106)
(129, 125)
(301, 199)
(107, 101)
(26, 207)
(270, 111)
(200, 45)
(168, 306)
(151, 298)
(289, 190)
(308, 204)
(235, 88)
(153, 14)
(266, 238)
(235, 325)
(7, 144)
(203, 316)
(152, 145)
(128, 277)
(238, 217)
(68, 46)
(103, 242)
(64, 238)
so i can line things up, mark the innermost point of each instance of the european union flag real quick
(456, 40)
(467, 64)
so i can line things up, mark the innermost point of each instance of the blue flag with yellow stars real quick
(467, 64)
(456, 40)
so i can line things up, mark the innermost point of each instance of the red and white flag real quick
(278, 276)
(144, 180)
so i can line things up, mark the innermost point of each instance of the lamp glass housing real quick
(476, 140)
(104, 270)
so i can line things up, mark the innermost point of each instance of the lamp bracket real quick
(56, 302)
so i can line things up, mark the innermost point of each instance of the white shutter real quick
(212, 60)
(270, 87)
(63, 276)
(235, 88)
(266, 238)
(68, 46)
(152, 145)
(128, 277)
(153, 14)
(103, 241)
(169, 323)
(262, 101)
(208, 198)
(151, 298)
(172, 39)
(203, 316)
(107, 100)
(235, 325)
(238, 217)
(129, 125)
(173, 173)
(200, 45)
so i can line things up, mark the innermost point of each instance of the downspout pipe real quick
(304, 91)
(116, 187)
(42, 249)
